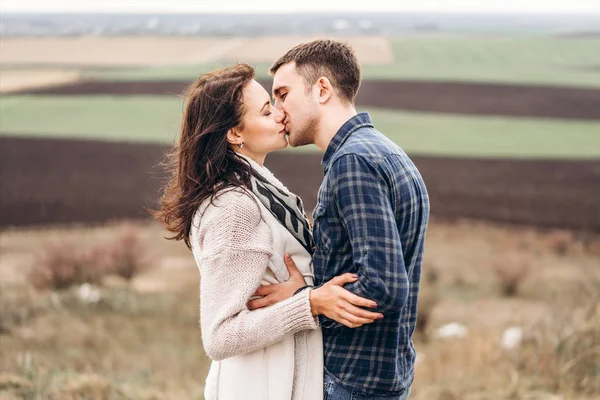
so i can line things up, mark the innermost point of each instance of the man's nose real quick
(280, 115)
(278, 104)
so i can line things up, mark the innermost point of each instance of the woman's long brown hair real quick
(202, 163)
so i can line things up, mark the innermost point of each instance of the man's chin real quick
(289, 140)
(293, 142)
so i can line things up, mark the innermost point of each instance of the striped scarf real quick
(285, 206)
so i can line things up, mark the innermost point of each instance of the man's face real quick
(298, 103)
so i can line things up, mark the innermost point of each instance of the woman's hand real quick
(272, 294)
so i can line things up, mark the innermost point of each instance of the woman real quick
(240, 221)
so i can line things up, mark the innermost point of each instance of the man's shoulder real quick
(369, 145)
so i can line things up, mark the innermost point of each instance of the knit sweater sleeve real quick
(236, 247)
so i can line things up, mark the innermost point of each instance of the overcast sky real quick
(274, 6)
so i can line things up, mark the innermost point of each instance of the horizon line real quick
(445, 12)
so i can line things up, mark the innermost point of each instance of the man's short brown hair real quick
(332, 59)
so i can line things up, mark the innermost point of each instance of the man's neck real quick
(331, 124)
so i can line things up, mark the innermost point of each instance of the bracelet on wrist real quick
(302, 288)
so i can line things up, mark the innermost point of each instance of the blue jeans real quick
(334, 391)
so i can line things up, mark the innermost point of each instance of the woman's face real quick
(263, 130)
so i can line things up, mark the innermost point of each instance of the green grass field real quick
(508, 59)
(156, 119)
(135, 118)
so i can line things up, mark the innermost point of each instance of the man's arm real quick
(329, 299)
(362, 198)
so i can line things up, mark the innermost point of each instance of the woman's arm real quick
(236, 246)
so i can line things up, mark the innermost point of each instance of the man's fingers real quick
(347, 323)
(363, 314)
(343, 279)
(260, 303)
(354, 319)
(357, 301)
(263, 290)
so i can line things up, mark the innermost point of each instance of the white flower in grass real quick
(451, 330)
(512, 337)
(88, 294)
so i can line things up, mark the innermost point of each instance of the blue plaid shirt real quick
(370, 219)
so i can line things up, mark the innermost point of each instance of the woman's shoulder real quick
(234, 221)
(236, 198)
(234, 195)
(233, 203)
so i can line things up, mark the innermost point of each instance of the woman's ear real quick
(233, 137)
(325, 89)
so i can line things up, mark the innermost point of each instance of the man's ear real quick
(325, 89)
(233, 137)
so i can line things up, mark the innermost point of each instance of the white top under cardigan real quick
(274, 353)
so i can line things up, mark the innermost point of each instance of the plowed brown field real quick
(48, 181)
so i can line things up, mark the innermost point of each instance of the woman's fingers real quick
(291, 265)
(258, 303)
(295, 274)
(264, 290)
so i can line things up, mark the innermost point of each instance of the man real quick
(370, 220)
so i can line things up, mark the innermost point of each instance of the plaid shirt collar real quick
(358, 121)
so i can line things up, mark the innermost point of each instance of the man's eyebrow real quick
(264, 105)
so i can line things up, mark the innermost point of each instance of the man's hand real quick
(337, 303)
(331, 299)
(272, 294)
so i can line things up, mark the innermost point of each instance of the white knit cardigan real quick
(275, 353)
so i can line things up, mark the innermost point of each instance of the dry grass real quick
(429, 296)
(17, 307)
(431, 273)
(143, 51)
(125, 255)
(142, 340)
(62, 264)
(560, 242)
(369, 49)
(128, 346)
(19, 79)
(592, 246)
(428, 299)
(113, 52)
(511, 273)
(561, 359)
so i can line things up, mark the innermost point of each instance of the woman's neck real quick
(257, 158)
